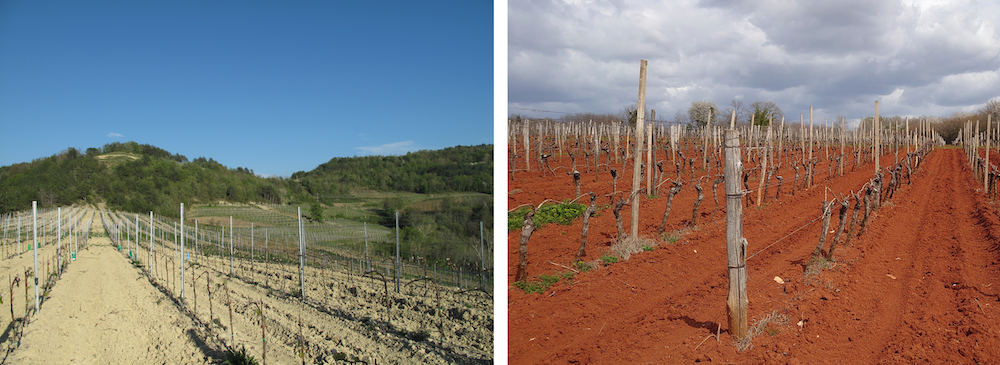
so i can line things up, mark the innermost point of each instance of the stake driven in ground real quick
(135, 256)
(59, 249)
(302, 255)
(637, 164)
(397, 251)
(196, 250)
(232, 264)
(367, 259)
(267, 257)
(183, 260)
(251, 248)
(34, 220)
(737, 301)
(875, 145)
(482, 257)
(152, 247)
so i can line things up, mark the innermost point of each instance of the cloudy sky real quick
(916, 57)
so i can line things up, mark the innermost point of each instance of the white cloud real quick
(583, 56)
(113, 134)
(388, 149)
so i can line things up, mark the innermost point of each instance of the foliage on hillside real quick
(450, 230)
(460, 168)
(150, 178)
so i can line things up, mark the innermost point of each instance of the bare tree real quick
(698, 113)
(991, 107)
(630, 113)
(742, 113)
(681, 118)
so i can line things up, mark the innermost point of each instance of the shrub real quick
(583, 266)
(239, 357)
(563, 213)
(530, 287)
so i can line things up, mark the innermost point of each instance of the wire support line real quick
(786, 236)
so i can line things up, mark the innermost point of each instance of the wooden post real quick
(809, 175)
(527, 144)
(875, 130)
(649, 160)
(802, 138)
(636, 167)
(781, 138)
(704, 152)
(986, 172)
(737, 302)
(843, 128)
(674, 133)
(763, 167)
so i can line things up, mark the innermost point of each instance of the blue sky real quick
(275, 87)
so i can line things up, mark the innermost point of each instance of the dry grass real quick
(816, 267)
(631, 245)
(758, 327)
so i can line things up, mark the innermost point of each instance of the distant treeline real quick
(450, 231)
(158, 180)
(460, 168)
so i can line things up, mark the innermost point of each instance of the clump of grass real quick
(778, 319)
(671, 237)
(630, 245)
(647, 248)
(539, 287)
(609, 259)
(563, 213)
(240, 357)
(817, 264)
(583, 266)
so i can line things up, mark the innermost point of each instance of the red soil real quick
(919, 285)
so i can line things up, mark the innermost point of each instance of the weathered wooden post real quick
(810, 173)
(876, 146)
(763, 168)
(649, 157)
(527, 145)
(636, 166)
(737, 302)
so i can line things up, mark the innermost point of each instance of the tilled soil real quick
(103, 311)
(361, 318)
(107, 309)
(919, 285)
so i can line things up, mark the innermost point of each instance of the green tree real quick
(764, 111)
(316, 211)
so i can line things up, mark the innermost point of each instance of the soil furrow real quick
(917, 286)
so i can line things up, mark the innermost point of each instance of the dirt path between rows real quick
(103, 311)
(925, 284)
(920, 285)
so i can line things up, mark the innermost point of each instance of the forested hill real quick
(138, 177)
(460, 168)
